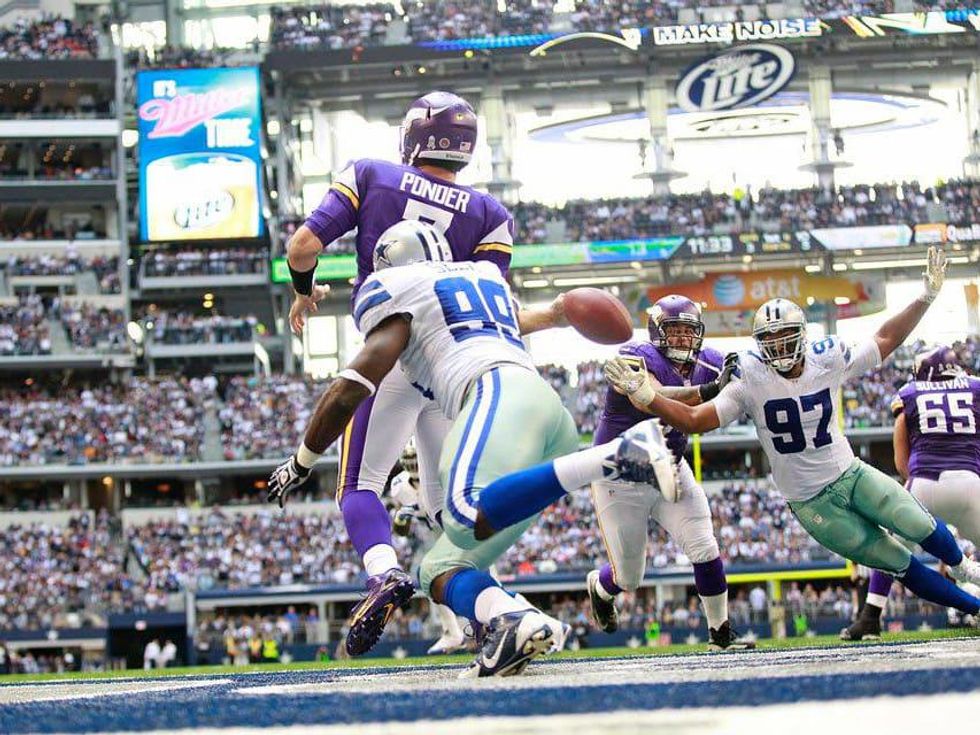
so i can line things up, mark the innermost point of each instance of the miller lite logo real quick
(741, 77)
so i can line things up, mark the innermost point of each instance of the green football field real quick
(785, 644)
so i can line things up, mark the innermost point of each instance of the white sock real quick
(581, 468)
(449, 622)
(602, 591)
(877, 600)
(379, 559)
(493, 601)
(715, 609)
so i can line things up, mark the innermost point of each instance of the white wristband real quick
(306, 456)
(352, 374)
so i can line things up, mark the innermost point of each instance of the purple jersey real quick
(372, 195)
(942, 419)
(619, 414)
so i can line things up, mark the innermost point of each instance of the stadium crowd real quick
(241, 551)
(24, 328)
(263, 417)
(357, 25)
(199, 262)
(63, 576)
(71, 263)
(91, 326)
(768, 209)
(140, 420)
(51, 37)
(185, 328)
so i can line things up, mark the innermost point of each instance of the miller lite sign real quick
(740, 77)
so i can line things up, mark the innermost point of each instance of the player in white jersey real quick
(451, 327)
(787, 388)
(408, 516)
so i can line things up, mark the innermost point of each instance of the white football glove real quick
(286, 477)
(935, 273)
(630, 379)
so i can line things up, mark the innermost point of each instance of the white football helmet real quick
(410, 241)
(779, 329)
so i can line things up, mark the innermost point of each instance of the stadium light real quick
(535, 283)
(595, 280)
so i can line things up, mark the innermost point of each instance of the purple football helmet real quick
(676, 310)
(939, 363)
(440, 129)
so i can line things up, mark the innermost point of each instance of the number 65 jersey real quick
(796, 419)
(463, 323)
(941, 418)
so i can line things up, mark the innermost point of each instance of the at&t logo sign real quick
(741, 77)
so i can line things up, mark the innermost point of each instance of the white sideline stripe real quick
(889, 714)
(31, 693)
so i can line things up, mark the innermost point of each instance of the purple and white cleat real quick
(386, 593)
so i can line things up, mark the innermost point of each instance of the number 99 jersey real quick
(463, 323)
(796, 419)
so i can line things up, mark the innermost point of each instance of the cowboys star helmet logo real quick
(381, 254)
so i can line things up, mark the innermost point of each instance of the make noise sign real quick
(740, 77)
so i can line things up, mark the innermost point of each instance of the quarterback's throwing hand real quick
(631, 379)
(935, 273)
(286, 477)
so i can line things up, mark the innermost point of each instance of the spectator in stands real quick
(210, 262)
(51, 37)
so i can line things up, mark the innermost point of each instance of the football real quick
(598, 315)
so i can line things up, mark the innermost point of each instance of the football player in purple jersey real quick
(439, 135)
(937, 451)
(675, 356)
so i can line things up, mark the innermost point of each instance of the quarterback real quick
(787, 388)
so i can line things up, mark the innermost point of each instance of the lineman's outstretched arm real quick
(897, 329)
(638, 386)
(546, 317)
(336, 406)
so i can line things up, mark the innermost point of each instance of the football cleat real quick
(603, 611)
(726, 638)
(513, 640)
(386, 593)
(643, 456)
(966, 571)
(865, 628)
(447, 644)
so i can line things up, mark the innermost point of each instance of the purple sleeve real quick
(336, 215)
(497, 243)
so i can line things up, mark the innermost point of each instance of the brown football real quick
(598, 315)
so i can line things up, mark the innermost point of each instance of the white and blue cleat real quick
(514, 640)
(643, 456)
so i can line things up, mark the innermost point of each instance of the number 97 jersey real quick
(463, 323)
(797, 420)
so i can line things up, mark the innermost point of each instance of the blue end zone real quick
(220, 706)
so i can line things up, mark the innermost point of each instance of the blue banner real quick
(199, 150)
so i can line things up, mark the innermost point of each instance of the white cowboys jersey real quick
(796, 420)
(463, 323)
